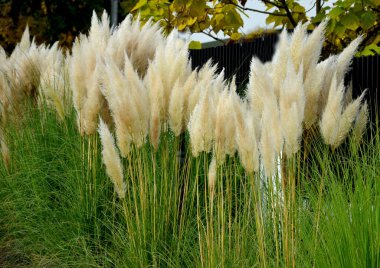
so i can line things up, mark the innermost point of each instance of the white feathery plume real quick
(201, 125)
(233, 101)
(154, 85)
(93, 102)
(260, 85)
(206, 77)
(328, 68)
(348, 95)
(225, 126)
(329, 123)
(171, 64)
(348, 116)
(313, 87)
(139, 44)
(187, 89)
(212, 175)
(279, 62)
(76, 74)
(25, 39)
(292, 107)
(138, 94)
(267, 150)
(360, 122)
(297, 41)
(311, 49)
(111, 160)
(176, 106)
(292, 129)
(123, 109)
(246, 138)
(344, 59)
(271, 117)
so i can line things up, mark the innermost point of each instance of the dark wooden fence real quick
(236, 58)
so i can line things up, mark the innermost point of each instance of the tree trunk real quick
(317, 6)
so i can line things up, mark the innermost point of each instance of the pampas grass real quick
(133, 84)
(112, 160)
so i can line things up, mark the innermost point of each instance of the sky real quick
(255, 20)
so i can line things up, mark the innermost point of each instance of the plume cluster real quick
(141, 84)
(30, 71)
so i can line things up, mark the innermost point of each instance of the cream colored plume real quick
(331, 116)
(279, 62)
(25, 39)
(361, 122)
(139, 43)
(176, 109)
(260, 87)
(267, 150)
(187, 89)
(206, 79)
(126, 97)
(85, 75)
(212, 176)
(245, 138)
(224, 126)
(201, 125)
(170, 64)
(313, 88)
(298, 39)
(328, 68)
(312, 47)
(292, 108)
(112, 160)
(344, 59)
(348, 117)
(336, 122)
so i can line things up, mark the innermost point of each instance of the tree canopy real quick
(48, 20)
(347, 18)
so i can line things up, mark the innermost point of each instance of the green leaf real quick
(298, 8)
(367, 20)
(195, 45)
(339, 30)
(320, 16)
(370, 50)
(351, 21)
(276, 19)
(335, 12)
(139, 4)
(346, 3)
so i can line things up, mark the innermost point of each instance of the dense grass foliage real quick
(58, 207)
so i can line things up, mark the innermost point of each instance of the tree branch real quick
(272, 3)
(369, 35)
(213, 37)
(288, 13)
(258, 11)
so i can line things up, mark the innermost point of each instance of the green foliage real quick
(193, 15)
(347, 19)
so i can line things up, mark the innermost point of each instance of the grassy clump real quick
(58, 207)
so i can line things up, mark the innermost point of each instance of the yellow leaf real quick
(235, 36)
(139, 4)
(195, 45)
